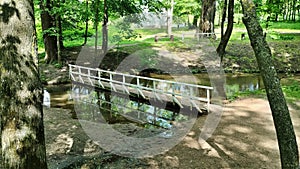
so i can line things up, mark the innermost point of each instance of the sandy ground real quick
(244, 138)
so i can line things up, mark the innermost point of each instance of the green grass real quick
(284, 25)
(292, 91)
(151, 31)
(243, 94)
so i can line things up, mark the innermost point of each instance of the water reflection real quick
(103, 106)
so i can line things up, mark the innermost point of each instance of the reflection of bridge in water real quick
(162, 92)
(99, 105)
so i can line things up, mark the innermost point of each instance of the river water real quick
(117, 109)
(60, 94)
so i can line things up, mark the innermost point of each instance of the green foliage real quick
(240, 94)
(181, 117)
(58, 65)
(292, 91)
(277, 36)
(123, 29)
(148, 57)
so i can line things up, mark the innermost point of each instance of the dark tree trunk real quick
(225, 37)
(195, 20)
(60, 28)
(224, 16)
(21, 116)
(96, 24)
(86, 22)
(104, 28)
(48, 22)
(60, 32)
(283, 124)
(207, 16)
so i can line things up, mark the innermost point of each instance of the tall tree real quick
(281, 117)
(225, 37)
(207, 16)
(86, 21)
(48, 26)
(170, 9)
(104, 27)
(21, 117)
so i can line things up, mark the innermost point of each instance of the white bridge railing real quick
(199, 35)
(162, 90)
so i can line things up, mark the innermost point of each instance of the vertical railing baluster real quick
(208, 99)
(138, 85)
(70, 71)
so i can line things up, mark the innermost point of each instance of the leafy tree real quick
(283, 124)
(188, 7)
(21, 117)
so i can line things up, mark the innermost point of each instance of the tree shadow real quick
(245, 138)
(8, 11)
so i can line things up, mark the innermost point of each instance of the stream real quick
(116, 109)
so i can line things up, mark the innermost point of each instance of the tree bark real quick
(104, 28)
(224, 14)
(96, 6)
(48, 23)
(170, 18)
(225, 38)
(86, 21)
(60, 32)
(207, 16)
(195, 21)
(281, 117)
(21, 115)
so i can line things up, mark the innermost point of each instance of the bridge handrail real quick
(140, 77)
(190, 93)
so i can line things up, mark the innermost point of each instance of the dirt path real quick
(244, 138)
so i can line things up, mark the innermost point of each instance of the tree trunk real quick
(21, 130)
(207, 16)
(86, 22)
(48, 22)
(170, 18)
(283, 124)
(58, 42)
(225, 38)
(224, 14)
(195, 21)
(104, 28)
(96, 25)
(60, 32)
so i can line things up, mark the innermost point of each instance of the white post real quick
(208, 99)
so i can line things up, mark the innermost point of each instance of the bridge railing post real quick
(208, 99)
(80, 75)
(70, 71)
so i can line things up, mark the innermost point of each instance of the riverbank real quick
(244, 138)
(239, 58)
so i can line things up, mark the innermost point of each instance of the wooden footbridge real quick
(183, 94)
